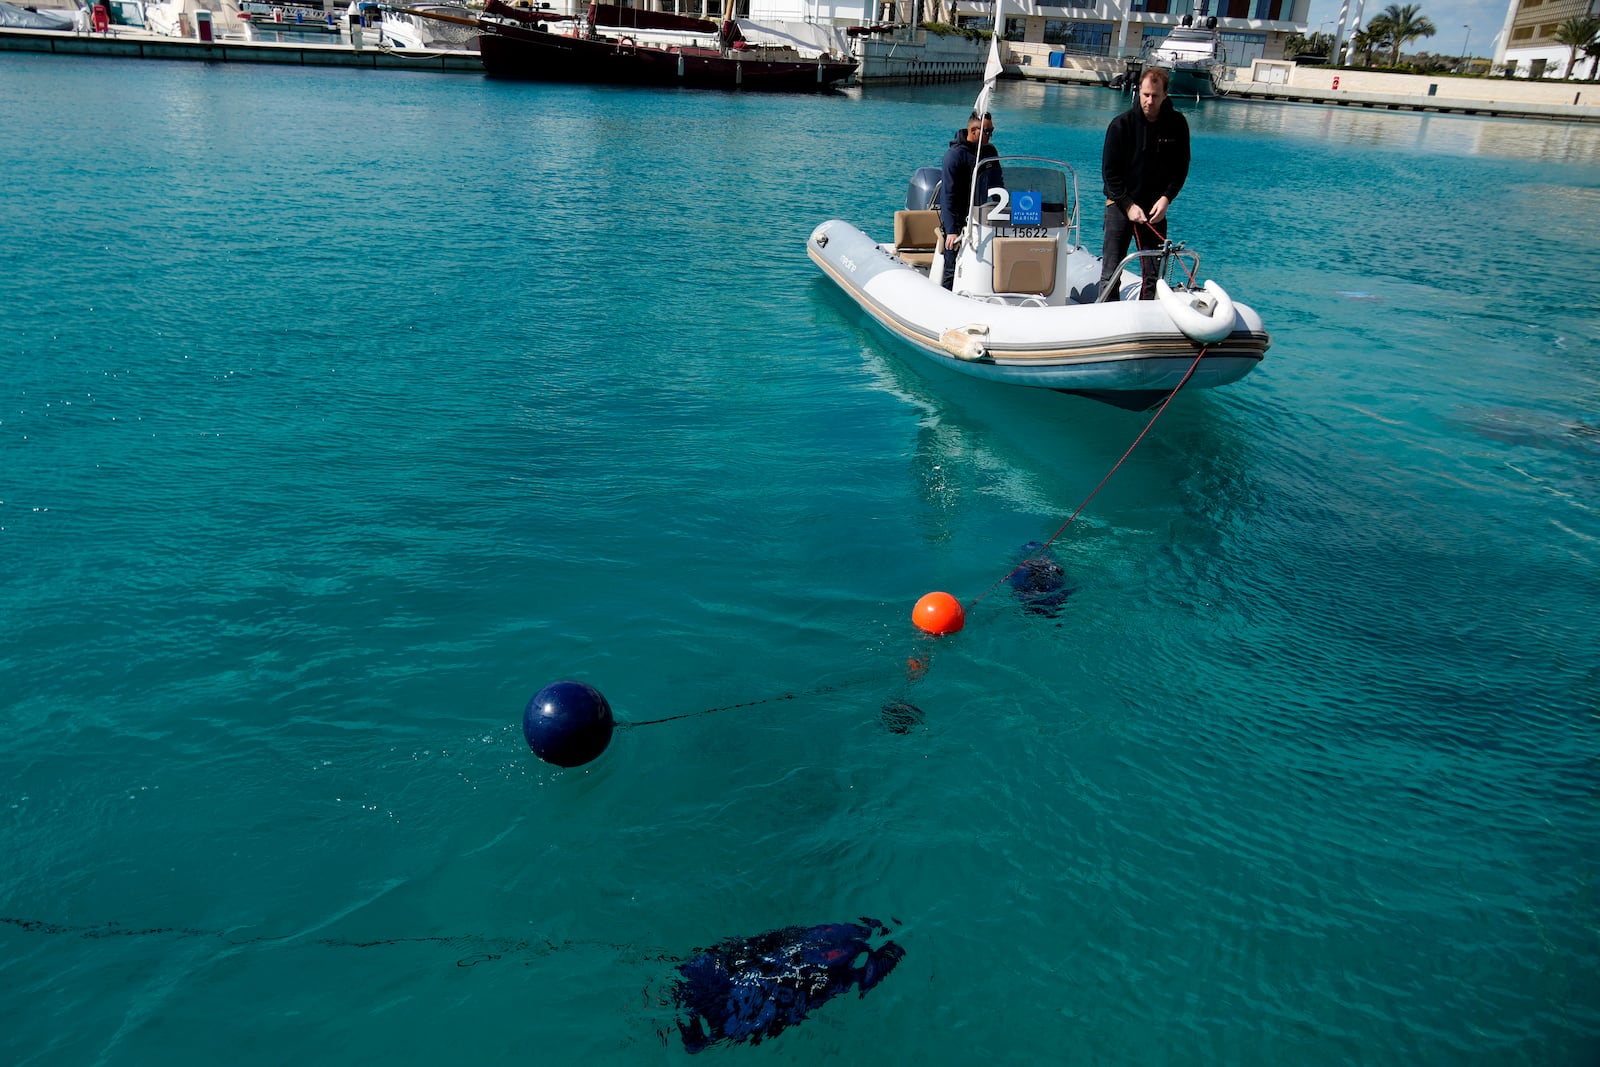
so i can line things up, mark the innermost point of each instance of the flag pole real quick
(991, 71)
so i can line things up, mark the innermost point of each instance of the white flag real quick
(993, 68)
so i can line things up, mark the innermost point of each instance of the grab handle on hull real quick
(966, 342)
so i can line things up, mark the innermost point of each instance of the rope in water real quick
(920, 662)
(781, 698)
(1114, 467)
(850, 684)
(479, 948)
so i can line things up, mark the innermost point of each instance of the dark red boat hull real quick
(510, 51)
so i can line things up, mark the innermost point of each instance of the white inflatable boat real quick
(1025, 307)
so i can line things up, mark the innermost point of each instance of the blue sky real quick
(1449, 18)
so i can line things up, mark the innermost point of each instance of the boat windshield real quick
(1054, 187)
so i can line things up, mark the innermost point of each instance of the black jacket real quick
(955, 178)
(1144, 161)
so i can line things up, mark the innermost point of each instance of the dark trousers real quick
(1119, 233)
(949, 281)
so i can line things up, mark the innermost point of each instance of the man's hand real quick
(1136, 213)
(1158, 210)
(951, 240)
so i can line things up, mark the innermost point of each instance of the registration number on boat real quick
(1030, 232)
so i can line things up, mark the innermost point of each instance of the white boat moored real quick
(1194, 56)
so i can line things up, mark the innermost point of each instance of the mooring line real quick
(487, 948)
(918, 665)
(1114, 467)
(820, 690)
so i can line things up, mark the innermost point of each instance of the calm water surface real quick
(341, 411)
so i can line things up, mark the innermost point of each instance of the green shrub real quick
(944, 29)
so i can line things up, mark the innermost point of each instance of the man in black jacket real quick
(1145, 162)
(955, 184)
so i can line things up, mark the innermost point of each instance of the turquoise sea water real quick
(340, 411)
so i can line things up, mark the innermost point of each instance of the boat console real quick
(1017, 245)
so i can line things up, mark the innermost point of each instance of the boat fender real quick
(966, 342)
(1205, 314)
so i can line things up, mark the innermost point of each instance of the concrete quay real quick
(1283, 82)
(1447, 105)
(124, 43)
(929, 59)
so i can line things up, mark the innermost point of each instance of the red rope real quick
(1188, 271)
(1114, 467)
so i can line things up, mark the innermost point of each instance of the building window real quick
(1244, 48)
(1522, 33)
(1092, 38)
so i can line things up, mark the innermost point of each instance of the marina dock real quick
(1279, 81)
(136, 44)
(1273, 82)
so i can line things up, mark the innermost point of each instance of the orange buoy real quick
(939, 613)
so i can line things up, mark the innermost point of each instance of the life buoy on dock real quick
(1336, 81)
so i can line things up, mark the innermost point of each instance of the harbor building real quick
(1526, 46)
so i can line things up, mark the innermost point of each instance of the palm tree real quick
(1577, 32)
(1405, 25)
(1317, 44)
(1375, 36)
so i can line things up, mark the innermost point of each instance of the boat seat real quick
(916, 235)
(1025, 265)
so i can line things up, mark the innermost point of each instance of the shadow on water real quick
(1044, 452)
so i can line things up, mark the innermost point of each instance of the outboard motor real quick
(1188, 20)
(1211, 23)
(923, 188)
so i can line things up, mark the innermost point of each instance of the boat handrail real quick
(1024, 300)
(1168, 253)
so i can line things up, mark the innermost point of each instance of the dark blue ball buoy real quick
(568, 723)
